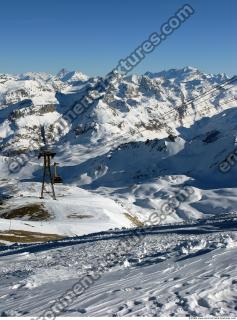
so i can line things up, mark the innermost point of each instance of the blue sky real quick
(93, 35)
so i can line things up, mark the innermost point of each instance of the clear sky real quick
(92, 35)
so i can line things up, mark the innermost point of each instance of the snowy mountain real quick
(135, 105)
(149, 158)
(71, 76)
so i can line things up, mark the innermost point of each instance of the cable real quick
(175, 110)
(216, 87)
(167, 122)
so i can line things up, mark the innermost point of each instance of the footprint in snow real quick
(203, 303)
(81, 310)
(122, 310)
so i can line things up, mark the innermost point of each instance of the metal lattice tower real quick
(47, 155)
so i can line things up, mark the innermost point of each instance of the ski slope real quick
(75, 212)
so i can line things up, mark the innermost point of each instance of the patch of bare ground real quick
(134, 220)
(79, 216)
(29, 212)
(21, 236)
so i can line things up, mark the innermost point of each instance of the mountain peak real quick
(172, 73)
(62, 73)
(71, 76)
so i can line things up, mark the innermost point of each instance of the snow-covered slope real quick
(186, 272)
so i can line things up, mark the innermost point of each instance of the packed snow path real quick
(176, 273)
